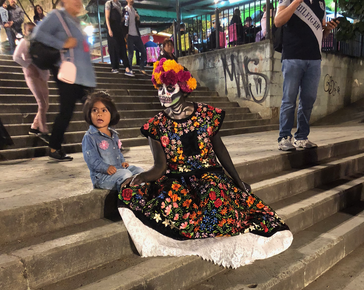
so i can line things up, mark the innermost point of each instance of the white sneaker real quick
(286, 145)
(305, 144)
(115, 71)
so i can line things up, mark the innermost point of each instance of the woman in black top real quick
(167, 51)
(38, 14)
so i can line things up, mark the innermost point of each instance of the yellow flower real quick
(181, 157)
(175, 130)
(192, 83)
(175, 124)
(200, 145)
(172, 65)
(155, 65)
(179, 151)
(157, 78)
(174, 159)
(196, 124)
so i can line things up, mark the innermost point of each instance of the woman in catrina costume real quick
(186, 204)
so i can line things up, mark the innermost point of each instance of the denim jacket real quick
(51, 32)
(100, 151)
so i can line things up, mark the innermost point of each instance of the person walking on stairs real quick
(115, 37)
(51, 32)
(304, 26)
(37, 81)
(131, 22)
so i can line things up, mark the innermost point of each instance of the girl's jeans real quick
(300, 76)
(114, 181)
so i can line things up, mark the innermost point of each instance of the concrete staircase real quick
(135, 99)
(78, 242)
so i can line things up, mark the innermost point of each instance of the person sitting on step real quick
(101, 144)
(37, 81)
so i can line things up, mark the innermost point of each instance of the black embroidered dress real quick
(196, 200)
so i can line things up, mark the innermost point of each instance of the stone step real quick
(314, 251)
(149, 91)
(20, 118)
(54, 107)
(347, 274)
(19, 76)
(228, 128)
(5, 99)
(74, 126)
(74, 249)
(91, 204)
(97, 66)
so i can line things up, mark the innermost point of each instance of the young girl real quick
(101, 144)
(37, 81)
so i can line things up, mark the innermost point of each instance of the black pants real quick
(117, 49)
(138, 43)
(68, 95)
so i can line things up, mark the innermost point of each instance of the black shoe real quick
(44, 137)
(34, 131)
(59, 156)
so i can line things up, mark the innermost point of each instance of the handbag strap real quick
(68, 32)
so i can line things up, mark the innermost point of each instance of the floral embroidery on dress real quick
(104, 145)
(196, 199)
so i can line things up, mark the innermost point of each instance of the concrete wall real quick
(251, 75)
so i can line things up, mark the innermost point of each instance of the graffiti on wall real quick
(255, 85)
(330, 86)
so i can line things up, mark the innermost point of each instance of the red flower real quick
(165, 141)
(212, 195)
(183, 76)
(264, 227)
(218, 203)
(127, 194)
(210, 107)
(169, 78)
(146, 126)
(151, 120)
(218, 110)
(209, 131)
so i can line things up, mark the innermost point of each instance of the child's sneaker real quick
(115, 71)
(34, 131)
(129, 74)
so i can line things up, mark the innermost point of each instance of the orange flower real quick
(172, 65)
(217, 122)
(195, 206)
(221, 223)
(175, 186)
(187, 203)
(230, 221)
(175, 197)
(184, 191)
(192, 83)
(223, 211)
(179, 150)
(250, 200)
(193, 215)
(260, 205)
(140, 192)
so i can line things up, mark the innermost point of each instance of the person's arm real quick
(159, 168)
(332, 24)
(107, 18)
(20, 51)
(18, 21)
(225, 160)
(92, 156)
(46, 30)
(284, 13)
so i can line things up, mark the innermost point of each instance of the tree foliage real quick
(353, 9)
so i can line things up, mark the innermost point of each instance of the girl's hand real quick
(71, 42)
(125, 164)
(111, 170)
(110, 33)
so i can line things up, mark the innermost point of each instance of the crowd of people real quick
(193, 193)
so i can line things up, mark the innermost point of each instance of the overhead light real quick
(233, 1)
(165, 34)
(154, 31)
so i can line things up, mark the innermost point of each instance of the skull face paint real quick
(169, 95)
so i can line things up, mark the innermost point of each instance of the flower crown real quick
(169, 72)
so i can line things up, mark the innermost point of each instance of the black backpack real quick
(43, 56)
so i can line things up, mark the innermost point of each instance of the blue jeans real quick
(11, 37)
(114, 181)
(300, 76)
(138, 43)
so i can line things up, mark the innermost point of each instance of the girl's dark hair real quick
(105, 98)
(167, 41)
(2, 2)
(38, 16)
